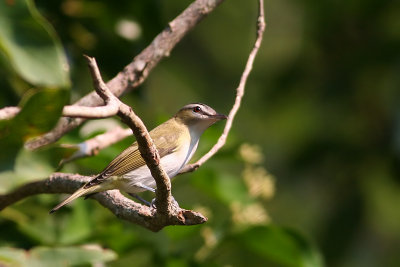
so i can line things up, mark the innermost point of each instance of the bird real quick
(176, 141)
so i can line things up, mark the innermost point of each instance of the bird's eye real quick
(196, 109)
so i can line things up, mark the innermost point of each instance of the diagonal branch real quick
(239, 94)
(146, 146)
(137, 71)
(93, 145)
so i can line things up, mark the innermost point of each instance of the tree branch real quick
(137, 71)
(239, 94)
(165, 205)
(168, 211)
(120, 206)
(92, 146)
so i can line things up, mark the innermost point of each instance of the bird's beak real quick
(218, 117)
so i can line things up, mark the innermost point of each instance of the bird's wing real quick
(130, 159)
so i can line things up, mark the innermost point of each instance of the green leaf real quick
(282, 245)
(62, 256)
(39, 114)
(30, 44)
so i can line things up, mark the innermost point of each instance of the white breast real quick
(136, 181)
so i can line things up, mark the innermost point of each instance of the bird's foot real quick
(144, 201)
(153, 202)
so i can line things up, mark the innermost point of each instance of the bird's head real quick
(198, 116)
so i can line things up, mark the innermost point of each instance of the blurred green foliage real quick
(321, 104)
(31, 46)
(30, 122)
(66, 256)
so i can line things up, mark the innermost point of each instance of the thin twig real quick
(239, 94)
(112, 103)
(93, 146)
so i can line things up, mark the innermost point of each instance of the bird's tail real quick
(80, 192)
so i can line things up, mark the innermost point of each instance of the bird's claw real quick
(153, 202)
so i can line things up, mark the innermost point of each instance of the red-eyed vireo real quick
(176, 141)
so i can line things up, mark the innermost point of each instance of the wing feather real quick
(130, 159)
